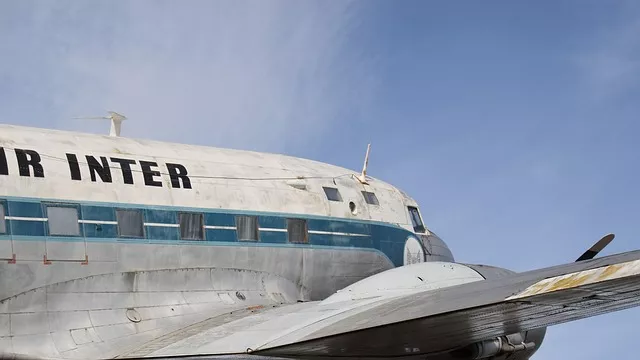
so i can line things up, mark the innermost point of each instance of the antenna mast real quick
(116, 121)
(363, 176)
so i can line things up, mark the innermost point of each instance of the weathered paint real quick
(220, 178)
(580, 278)
(99, 294)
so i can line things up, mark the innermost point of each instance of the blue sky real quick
(513, 124)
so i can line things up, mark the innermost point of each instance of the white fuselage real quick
(88, 211)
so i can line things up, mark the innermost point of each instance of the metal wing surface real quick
(426, 322)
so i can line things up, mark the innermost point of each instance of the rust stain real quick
(569, 282)
(580, 278)
(118, 151)
(610, 271)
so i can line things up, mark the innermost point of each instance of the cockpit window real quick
(370, 198)
(332, 194)
(418, 226)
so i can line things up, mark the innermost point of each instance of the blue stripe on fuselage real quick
(332, 232)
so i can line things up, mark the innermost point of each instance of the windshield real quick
(418, 226)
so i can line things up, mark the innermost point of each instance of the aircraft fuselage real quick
(92, 222)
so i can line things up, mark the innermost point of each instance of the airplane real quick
(121, 248)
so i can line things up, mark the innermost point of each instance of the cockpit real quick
(436, 249)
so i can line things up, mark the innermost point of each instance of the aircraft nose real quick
(436, 248)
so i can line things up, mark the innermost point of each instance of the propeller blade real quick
(596, 248)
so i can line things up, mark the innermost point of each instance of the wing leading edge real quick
(446, 319)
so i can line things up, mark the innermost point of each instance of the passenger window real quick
(63, 220)
(297, 231)
(247, 228)
(3, 223)
(191, 226)
(370, 198)
(130, 223)
(332, 194)
(418, 226)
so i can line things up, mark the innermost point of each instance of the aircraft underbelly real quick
(120, 296)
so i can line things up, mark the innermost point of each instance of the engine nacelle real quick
(535, 336)
(518, 346)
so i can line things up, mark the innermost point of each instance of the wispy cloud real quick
(253, 74)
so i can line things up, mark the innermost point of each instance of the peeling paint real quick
(580, 278)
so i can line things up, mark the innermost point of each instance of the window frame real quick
(257, 228)
(337, 192)
(366, 194)
(418, 228)
(76, 207)
(144, 233)
(202, 226)
(4, 228)
(306, 231)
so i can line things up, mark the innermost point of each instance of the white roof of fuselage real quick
(235, 164)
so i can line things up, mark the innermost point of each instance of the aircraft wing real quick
(426, 322)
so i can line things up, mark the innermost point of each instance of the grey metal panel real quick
(437, 258)
(107, 317)
(63, 341)
(61, 321)
(102, 251)
(84, 336)
(285, 262)
(436, 247)
(164, 256)
(6, 249)
(118, 282)
(66, 251)
(107, 298)
(67, 292)
(490, 272)
(111, 332)
(195, 297)
(5, 322)
(29, 275)
(6, 344)
(35, 345)
(29, 250)
(31, 301)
